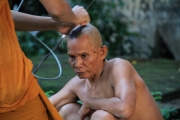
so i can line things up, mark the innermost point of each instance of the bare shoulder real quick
(124, 70)
(118, 63)
(120, 69)
(75, 84)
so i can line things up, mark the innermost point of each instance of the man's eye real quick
(71, 57)
(84, 55)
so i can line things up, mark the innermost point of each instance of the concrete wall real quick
(152, 18)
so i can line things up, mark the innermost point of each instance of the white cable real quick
(20, 5)
(58, 62)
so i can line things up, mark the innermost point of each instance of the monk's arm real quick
(60, 11)
(27, 22)
(123, 104)
(63, 18)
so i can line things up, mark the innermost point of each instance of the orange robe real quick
(17, 84)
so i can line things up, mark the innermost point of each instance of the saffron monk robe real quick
(21, 98)
(109, 89)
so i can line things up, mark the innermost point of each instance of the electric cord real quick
(50, 51)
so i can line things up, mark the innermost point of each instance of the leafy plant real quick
(157, 95)
(166, 112)
(49, 93)
(31, 46)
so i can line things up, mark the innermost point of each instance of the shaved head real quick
(89, 30)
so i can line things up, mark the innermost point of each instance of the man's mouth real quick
(79, 72)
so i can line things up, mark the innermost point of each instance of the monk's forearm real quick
(26, 22)
(59, 10)
(112, 105)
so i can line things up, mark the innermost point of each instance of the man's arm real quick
(123, 104)
(64, 96)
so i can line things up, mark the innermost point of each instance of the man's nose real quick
(78, 63)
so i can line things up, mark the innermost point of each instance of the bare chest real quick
(102, 90)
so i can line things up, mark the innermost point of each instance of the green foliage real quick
(49, 93)
(31, 47)
(104, 15)
(166, 112)
(157, 95)
(80, 102)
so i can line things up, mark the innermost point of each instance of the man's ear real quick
(103, 52)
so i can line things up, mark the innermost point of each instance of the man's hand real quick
(81, 14)
(84, 112)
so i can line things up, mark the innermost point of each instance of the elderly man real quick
(108, 89)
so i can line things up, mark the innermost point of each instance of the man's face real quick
(83, 57)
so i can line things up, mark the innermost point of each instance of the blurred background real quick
(145, 32)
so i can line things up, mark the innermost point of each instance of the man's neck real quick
(94, 79)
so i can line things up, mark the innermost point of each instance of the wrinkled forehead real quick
(76, 48)
(82, 44)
